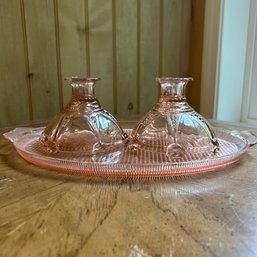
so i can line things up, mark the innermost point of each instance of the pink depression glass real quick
(172, 126)
(83, 126)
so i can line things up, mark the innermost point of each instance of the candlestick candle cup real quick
(172, 125)
(83, 126)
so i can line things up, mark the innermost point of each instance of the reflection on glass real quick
(172, 125)
(83, 125)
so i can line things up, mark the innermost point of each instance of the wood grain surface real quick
(125, 42)
(45, 213)
(14, 90)
(40, 28)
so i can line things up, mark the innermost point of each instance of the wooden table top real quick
(45, 213)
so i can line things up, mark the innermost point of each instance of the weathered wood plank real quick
(101, 51)
(127, 66)
(119, 41)
(72, 28)
(172, 20)
(149, 56)
(65, 217)
(40, 24)
(196, 52)
(14, 93)
(185, 38)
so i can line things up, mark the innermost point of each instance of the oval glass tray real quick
(125, 162)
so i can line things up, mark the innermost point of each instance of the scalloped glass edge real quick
(127, 169)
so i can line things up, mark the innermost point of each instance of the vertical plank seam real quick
(181, 39)
(114, 57)
(138, 53)
(88, 68)
(26, 58)
(161, 43)
(58, 53)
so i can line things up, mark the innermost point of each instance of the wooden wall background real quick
(125, 42)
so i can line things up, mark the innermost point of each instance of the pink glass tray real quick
(124, 162)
